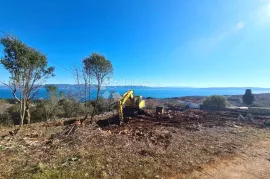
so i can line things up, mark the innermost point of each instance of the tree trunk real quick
(94, 111)
(28, 115)
(22, 111)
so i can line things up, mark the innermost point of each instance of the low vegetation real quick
(217, 101)
(29, 70)
(47, 110)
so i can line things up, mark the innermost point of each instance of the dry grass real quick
(139, 149)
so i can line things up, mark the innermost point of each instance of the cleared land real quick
(190, 144)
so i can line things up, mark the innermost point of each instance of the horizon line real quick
(1, 85)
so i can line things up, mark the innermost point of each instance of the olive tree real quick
(28, 71)
(98, 67)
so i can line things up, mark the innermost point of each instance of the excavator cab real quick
(133, 107)
(130, 105)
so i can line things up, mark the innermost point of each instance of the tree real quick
(216, 101)
(83, 80)
(72, 108)
(28, 71)
(248, 97)
(51, 90)
(98, 67)
(49, 106)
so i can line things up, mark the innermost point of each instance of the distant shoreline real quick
(157, 87)
(157, 93)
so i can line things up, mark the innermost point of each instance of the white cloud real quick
(239, 26)
(258, 16)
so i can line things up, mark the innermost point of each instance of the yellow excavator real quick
(130, 105)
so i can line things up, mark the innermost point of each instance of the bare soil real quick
(252, 163)
(190, 144)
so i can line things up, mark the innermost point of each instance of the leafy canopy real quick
(98, 66)
(51, 90)
(22, 61)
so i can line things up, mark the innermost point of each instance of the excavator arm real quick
(122, 101)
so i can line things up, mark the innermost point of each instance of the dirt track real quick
(250, 164)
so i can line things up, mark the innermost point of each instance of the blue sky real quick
(195, 43)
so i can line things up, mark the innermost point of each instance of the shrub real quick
(102, 105)
(72, 108)
(11, 115)
(216, 101)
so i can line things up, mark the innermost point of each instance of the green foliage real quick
(72, 108)
(2, 148)
(248, 97)
(102, 106)
(5, 119)
(49, 108)
(51, 90)
(216, 101)
(28, 70)
(22, 61)
(98, 66)
(10, 116)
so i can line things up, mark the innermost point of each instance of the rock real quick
(163, 134)
(65, 164)
(73, 159)
(236, 126)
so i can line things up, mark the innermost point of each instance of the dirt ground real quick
(252, 163)
(189, 144)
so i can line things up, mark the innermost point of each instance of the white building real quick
(191, 105)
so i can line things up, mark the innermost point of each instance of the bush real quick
(10, 115)
(103, 105)
(217, 101)
(4, 105)
(72, 108)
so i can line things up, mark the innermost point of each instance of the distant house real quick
(109, 95)
(105, 95)
(116, 96)
(192, 104)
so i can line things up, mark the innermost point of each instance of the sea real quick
(153, 92)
